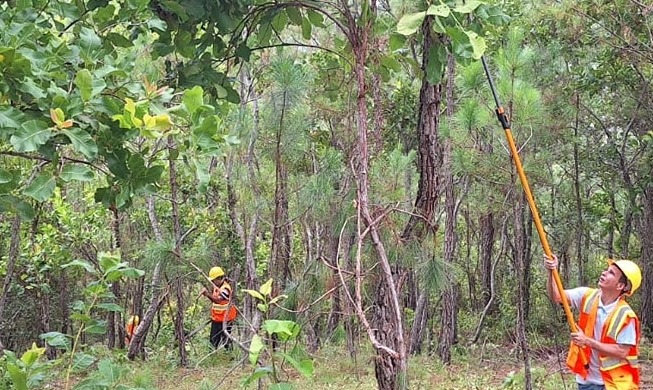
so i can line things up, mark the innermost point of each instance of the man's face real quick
(217, 281)
(610, 279)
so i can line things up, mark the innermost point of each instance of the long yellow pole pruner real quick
(505, 123)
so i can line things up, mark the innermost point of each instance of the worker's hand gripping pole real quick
(505, 123)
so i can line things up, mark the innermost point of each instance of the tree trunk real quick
(281, 233)
(137, 345)
(580, 226)
(519, 255)
(14, 248)
(180, 335)
(486, 226)
(449, 311)
(646, 263)
(422, 220)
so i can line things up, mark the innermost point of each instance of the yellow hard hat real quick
(215, 272)
(631, 271)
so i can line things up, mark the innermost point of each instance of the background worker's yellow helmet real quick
(215, 272)
(631, 271)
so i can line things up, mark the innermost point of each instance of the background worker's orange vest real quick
(218, 310)
(617, 374)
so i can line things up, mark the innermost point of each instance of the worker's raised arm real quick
(551, 287)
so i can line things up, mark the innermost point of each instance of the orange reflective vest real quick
(222, 295)
(131, 328)
(617, 374)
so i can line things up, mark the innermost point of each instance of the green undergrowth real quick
(475, 367)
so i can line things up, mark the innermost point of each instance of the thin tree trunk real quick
(137, 344)
(14, 248)
(178, 284)
(580, 228)
(646, 262)
(279, 268)
(390, 362)
(449, 312)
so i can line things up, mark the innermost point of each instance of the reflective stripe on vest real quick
(616, 323)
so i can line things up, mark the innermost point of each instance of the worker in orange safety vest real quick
(222, 313)
(608, 328)
(130, 329)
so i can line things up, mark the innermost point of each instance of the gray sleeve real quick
(627, 335)
(575, 295)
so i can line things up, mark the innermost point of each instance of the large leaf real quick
(305, 366)
(84, 81)
(439, 10)
(10, 117)
(478, 44)
(5, 176)
(56, 339)
(284, 329)
(12, 204)
(255, 348)
(467, 7)
(41, 188)
(82, 361)
(82, 142)
(76, 172)
(31, 135)
(80, 263)
(410, 23)
(193, 99)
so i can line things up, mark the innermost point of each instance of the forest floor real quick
(482, 368)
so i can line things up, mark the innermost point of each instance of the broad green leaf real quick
(410, 23)
(24, 210)
(31, 135)
(82, 142)
(467, 7)
(76, 172)
(82, 361)
(284, 329)
(305, 366)
(266, 288)
(193, 99)
(177, 8)
(32, 355)
(259, 373)
(161, 122)
(255, 294)
(439, 10)
(255, 348)
(307, 29)
(84, 81)
(243, 52)
(119, 40)
(10, 117)
(316, 18)
(107, 260)
(478, 44)
(437, 57)
(42, 188)
(18, 377)
(56, 339)
(112, 372)
(397, 41)
(30, 87)
(89, 39)
(295, 15)
(96, 327)
(80, 263)
(5, 176)
(132, 273)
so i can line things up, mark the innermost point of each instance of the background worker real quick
(130, 329)
(608, 329)
(221, 319)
